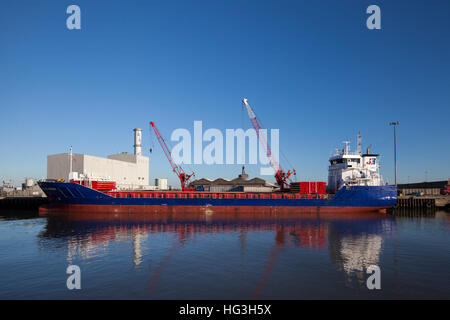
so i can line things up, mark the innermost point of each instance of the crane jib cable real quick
(280, 176)
(182, 176)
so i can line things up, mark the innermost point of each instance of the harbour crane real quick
(280, 176)
(184, 177)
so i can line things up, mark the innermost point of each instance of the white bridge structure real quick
(353, 168)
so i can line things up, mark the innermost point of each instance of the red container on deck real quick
(310, 187)
(321, 187)
(103, 185)
(304, 187)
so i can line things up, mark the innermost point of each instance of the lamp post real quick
(395, 124)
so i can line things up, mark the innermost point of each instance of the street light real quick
(395, 124)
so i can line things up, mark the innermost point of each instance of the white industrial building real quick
(129, 171)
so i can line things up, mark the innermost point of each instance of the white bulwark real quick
(129, 171)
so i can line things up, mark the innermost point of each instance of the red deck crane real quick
(184, 177)
(280, 176)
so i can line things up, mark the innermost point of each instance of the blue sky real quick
(310, 68)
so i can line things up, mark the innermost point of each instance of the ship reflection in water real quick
(195, 243)
(184, 253)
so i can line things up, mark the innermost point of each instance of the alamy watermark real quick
(374, 280)
(74, 280)
(374, 20)
(73, 22)
(236, 146)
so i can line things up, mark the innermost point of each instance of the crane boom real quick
(184, 177)
(280, 176)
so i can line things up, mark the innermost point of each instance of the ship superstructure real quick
(353, 168)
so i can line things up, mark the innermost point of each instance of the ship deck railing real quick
(214, 195)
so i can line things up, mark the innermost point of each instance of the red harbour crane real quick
(184, 177)
(280, 176)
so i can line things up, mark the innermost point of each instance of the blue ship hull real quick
(73, 196)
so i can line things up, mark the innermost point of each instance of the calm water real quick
(211, 255)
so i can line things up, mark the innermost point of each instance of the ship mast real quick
(358, 144)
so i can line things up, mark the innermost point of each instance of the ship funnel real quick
(137, 141)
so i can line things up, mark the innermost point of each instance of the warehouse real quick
(239, 184)
(127, 170)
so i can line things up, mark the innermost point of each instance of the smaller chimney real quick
(137, 141)
(243, 175)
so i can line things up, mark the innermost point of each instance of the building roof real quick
(201, 181)
(241, 180)
(234, 182)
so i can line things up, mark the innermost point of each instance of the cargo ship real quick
(354, 185)
(66, 196)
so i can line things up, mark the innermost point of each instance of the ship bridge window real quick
(337, 161)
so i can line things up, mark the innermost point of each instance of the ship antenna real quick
(358, 147)
(346, 146)
(70, 163)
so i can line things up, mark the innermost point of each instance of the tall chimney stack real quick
(137, 141)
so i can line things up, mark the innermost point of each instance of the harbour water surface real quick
(210, 255)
